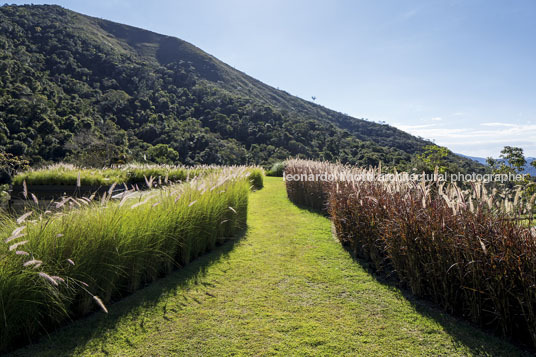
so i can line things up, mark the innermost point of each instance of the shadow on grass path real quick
(285, 288)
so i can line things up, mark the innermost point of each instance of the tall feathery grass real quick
(463, 249)
(256, 177)
(58, 266)
(68, 174)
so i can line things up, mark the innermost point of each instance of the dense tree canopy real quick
(78, 88)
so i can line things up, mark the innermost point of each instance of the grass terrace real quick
(467, 250)
(58, 266)
(286, 288)
(66, 174)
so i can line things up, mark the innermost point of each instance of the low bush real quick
(256, 177)
(58, 266)
(277, 169)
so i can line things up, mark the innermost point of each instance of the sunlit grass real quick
(286, 288)
(67, 174)
(59, 265)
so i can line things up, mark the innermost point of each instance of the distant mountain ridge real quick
(529, 169)
(69, 82)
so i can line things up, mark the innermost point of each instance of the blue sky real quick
(460, 72)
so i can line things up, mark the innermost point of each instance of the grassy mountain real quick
(78, 88)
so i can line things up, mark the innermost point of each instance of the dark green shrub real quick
(277, 169)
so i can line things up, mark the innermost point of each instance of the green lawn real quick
(285, 288)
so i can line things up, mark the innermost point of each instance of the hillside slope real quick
(70, 83)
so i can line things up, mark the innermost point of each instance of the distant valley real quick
(529, 169)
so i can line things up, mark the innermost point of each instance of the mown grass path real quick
(286, 288)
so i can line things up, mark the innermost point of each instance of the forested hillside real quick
(77, 88)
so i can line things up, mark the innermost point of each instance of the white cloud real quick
(436, 119)
(483, 140)
(498, 124)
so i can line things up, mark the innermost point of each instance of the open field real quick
(286, 288)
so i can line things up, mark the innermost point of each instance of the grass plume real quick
(469, 249)
(118, 245)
